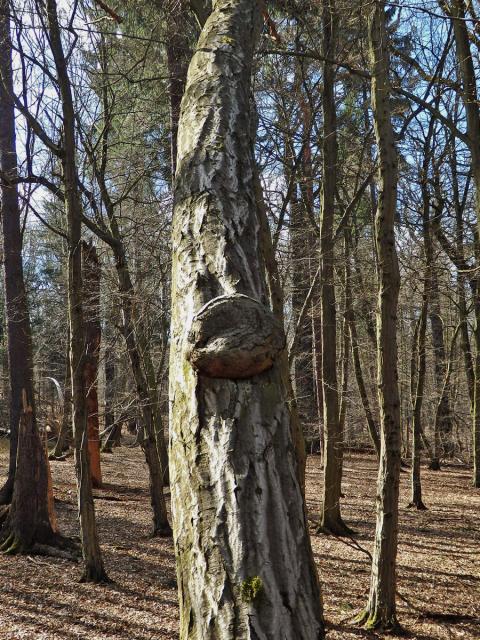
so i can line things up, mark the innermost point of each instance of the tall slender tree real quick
(456, 9)
(93, 563)
(418, 371)
(93, 335)
(381, 607)
(331, 519)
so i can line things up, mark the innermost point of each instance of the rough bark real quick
(381, 607)
(93, 564)
(239, 524)
(31, 518)
(93, 334)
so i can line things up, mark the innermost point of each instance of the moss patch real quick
(251, 589)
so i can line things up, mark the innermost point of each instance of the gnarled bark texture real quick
(244, 561)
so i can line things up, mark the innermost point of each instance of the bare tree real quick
(93, 563)
(30, 518)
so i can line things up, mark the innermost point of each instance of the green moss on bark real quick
(251, 589)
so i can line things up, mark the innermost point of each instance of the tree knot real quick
(234, 336)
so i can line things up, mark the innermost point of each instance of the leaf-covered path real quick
(439, 561)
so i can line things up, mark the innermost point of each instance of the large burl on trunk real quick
(234, 337)
(244, 562)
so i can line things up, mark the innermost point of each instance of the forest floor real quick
(439, 561)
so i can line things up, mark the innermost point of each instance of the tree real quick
(232, 458)
(331, 520)
(93, 333)
(466, 71)
(12, 242)
(380, 611)
(93, 563)
(113, 428)
(30, 519)
(417, 392)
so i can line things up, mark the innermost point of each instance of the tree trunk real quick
(357, 366)
(381, 607)
(418, 386)
(345, 352)
(443, 423)
(456, 10)
(476, 400)
(93, 334)
(29, 520)
(113, 429)
(138, 354)
(301, 250)
(17, 323)
(161, 526)
(304, 247)
(154, 436)
(232, 458)
(65, 434)
(137, 348)
(177, 49)
(275, 295)
(93, 564)
(331, 519)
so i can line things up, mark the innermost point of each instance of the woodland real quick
(239, 319)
